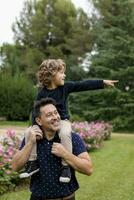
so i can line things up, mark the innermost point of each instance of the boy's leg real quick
(66, 141)
(33, 155)
(32, 165)
(65, 136)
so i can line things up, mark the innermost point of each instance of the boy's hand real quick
(33, 136)
(38, 131)
(110, 82)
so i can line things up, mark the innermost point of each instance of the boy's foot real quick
(30, 169)
(65, 176)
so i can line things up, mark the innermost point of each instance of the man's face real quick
(49, 118)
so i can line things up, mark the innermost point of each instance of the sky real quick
(10, 9)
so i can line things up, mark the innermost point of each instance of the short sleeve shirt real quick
(46, 183)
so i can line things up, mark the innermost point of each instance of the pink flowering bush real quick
(8, 147)
(93, 133)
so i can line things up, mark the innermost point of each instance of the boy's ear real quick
(38, 121)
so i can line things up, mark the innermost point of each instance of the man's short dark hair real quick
(41, 103)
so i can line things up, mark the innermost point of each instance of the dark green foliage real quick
(54, 28)
(17, 97)
(113, 29)
(95, 104)
(110, 105)
(47, 29)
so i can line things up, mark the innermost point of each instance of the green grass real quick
(14, 123)
(113, 176)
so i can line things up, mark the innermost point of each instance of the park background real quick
(98, 44)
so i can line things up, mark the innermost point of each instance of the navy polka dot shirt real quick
(46, 183)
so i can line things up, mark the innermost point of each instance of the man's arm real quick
(82, 163)
(22, 156)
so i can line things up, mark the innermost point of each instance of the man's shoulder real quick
(76, 137)
(75, 134)
(78, 144)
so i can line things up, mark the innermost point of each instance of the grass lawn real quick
(14, 123)
(113, 177)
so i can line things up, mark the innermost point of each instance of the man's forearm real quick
(81, 164)
(21, 157)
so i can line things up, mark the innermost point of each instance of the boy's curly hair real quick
(48, 69)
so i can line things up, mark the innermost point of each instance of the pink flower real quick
(1, 150)
(10, 151)
(1, 164)
(93, 133)
(11, 133)
(8, 171)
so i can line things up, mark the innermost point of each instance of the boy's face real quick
(59, 77)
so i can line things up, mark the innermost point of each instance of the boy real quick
(51, 77)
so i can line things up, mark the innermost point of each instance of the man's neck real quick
(49, 135)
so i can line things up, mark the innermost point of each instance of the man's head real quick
(48, 70)
(46, 115)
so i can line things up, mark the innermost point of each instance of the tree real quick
(49, 29)
(114, 46)
(111, 58)
(114, 28)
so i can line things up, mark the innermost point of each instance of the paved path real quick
(18, 130)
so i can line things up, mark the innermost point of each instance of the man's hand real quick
(110, 82)
(82, 163)
(58, 150)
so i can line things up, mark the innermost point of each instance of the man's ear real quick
(38, 121)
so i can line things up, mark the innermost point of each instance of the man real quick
(45, 184)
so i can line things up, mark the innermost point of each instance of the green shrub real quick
(17, 97)
(111, 105)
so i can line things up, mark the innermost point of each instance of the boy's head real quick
(48, 69)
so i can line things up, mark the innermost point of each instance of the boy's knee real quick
(65, 133)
